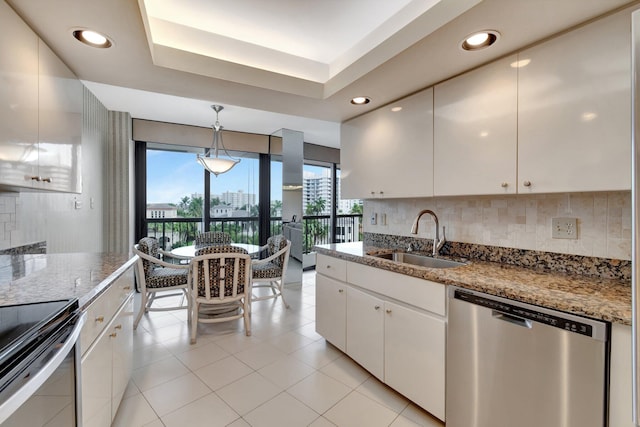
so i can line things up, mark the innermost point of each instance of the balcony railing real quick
(176, 232)
(317, 230)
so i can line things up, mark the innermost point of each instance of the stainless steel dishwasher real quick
(511, 364)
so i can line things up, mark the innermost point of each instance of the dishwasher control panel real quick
(568, 323)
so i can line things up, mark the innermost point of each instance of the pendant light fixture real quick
(217, 165)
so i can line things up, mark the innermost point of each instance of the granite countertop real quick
(45, 277)
(598, 298)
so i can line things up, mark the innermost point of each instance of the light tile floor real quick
(283, 375)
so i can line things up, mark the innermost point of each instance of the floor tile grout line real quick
(177, 349)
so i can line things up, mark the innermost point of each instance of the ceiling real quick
(284, 63)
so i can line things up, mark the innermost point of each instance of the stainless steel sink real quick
(421, 260)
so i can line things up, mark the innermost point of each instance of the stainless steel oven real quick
(40, 364)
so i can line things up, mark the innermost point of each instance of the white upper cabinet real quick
(59, 124)
(18, 100)
(388, 152)
(40, 112)
(475, 131)
(574, 110)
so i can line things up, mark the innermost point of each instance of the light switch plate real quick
(564, 228)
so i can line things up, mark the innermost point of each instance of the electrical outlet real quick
(374, 219)
(564, 228)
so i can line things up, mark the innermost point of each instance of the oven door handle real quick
(8, 407)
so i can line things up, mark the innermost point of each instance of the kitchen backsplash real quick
(8, 219)
(517, 221)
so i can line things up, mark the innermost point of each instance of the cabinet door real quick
(574, 118)
(18, 100)
(331, 310)
(96, 383)
(365, 326)
(620, 399)
(122, 346)
(388, 152)
(475, 131)
(414, 356)
(60, 124)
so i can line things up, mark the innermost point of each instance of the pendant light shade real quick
(217, 165)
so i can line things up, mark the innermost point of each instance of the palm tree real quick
(276, 206)
(313, 227)
(316, 207)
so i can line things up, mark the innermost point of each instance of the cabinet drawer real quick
(332, 267)
(97, 319)
(419, 293)
(101, 311)
(120, 291)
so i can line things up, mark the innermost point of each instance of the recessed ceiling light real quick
(92, 38)
(361, 100)
(480, 40)
(396, 109)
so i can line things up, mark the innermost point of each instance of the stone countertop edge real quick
(94, 293)
(49, 277)
(596, 298)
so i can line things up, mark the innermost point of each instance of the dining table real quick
(190, 250)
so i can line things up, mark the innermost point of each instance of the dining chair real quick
(156, 278)
(220, 289)
(270, 271)
(209, 238)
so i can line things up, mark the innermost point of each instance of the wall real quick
(29, 217)
(517, 221)
(118, 224)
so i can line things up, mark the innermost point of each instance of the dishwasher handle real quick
(518, 321)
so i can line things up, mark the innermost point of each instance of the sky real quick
(172, 175)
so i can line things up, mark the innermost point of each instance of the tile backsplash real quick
(515, 221)
(7, 218)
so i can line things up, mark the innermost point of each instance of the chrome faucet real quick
(437, 242)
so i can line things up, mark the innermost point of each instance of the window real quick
(235, 198)
(275, 205)
(348, 218)
(176, 197)
(175, 188)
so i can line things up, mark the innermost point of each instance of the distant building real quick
(241, 213)
(161, 210)
(237, 199)
(317, 187)
(221, 211)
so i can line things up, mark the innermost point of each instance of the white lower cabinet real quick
(392, 336)
(96, 384)
(620, 399)
(331, 310)
(414, 356)
(107, 353)
(365, 331)
(122, 354)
